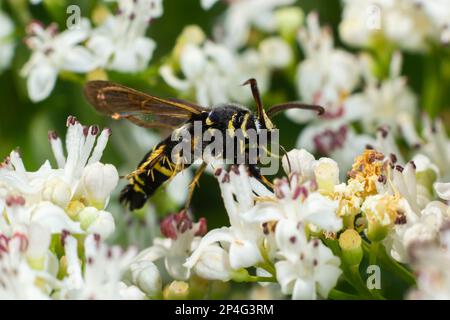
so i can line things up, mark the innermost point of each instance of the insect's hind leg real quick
(193, 183)
(256, 173)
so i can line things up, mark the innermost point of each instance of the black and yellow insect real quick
(149, 111)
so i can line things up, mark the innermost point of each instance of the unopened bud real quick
(176, 290)
(350, 243)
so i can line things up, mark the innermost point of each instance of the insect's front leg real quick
(194, 182)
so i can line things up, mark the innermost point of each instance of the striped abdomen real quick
(155, 169)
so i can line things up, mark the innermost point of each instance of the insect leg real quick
(194, 181)
(256, 173)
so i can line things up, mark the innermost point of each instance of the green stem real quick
(351, 273)
(21, 10)
(261, 279)
(72, 77)
(431, 91)
(267, 264)
(373, 252)
(340, 295)
(393, 266)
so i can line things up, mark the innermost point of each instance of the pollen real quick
(367, 169)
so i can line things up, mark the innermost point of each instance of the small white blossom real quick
(242, 15)
(431, 263)
(71, 197)
(214, 72)
(243, 236)
(402, 22)
(390, 102)
(25, 260)
(182, 238)
(307, 268)
(102, 274)
(327, 75)
(53, 52)
(436, 145)
(120, 42)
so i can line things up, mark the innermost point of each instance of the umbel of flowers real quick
(307, 237)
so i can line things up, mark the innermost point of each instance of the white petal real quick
(54, 218)
(79, 59)
(326, 277)
(104, 225)
(304, 289)
(214, 264)
(443, 190)
(41, 81)
(321, 211)
(216, 235)
(244, 254)
(286, 275)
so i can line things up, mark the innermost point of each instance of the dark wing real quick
(145, 110)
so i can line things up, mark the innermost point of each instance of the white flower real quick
(101, 277)
(431, 263)
(402, 22)
(275, 52)
(214, 264)
(145, 275)
(390, 102)
(6, 41)
(436, 145)
(334, 139)
(28, 269)
(296, 203)
(215, 71)
(182, 237)
(95, 221)
(443, 190)
(306, 267)
(120, 42)
(243, 236)
(53, 52)
(327, 75)
(438, 12)
(63, 198)
(97, 182)
(301, 162)
(242, 15)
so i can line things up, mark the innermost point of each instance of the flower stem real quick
(395, 267)
(261, 279)
(340, 295)
(373, 252)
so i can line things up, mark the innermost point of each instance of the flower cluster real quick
(48, 213)
(118, 43)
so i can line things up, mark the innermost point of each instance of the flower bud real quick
(38, 243)
(97, 221)
(350, 243)
(58, 192)
(98, 181)
(381, 212)
(176, 290)
(275, 52)
(74, 208)
(299, 161)
(289, 20)
(191, 34)
(214, 264)
(145, 275)
(326, 171)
